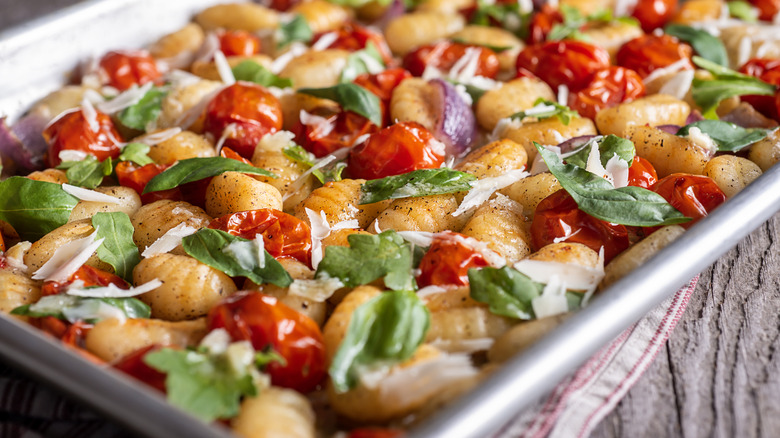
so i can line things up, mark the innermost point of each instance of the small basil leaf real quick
(743, 10)
(706, 45)
(251, 71)
(137, 153)
(145, 111)
(34, 208)
(609, 146)
(296, 29)
(368, 60)
(118, 248)
(331, 172)
(87, 173)
(368, 258)
(195, 169)
(544, 109)
(231, 255)
(728, 136)
(423, 182)
(383, 331)
(351, 97)
(132, 307)
(596, 196)
(507, 291)
(727, 83)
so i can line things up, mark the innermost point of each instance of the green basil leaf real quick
(383, 331)
(296, 29)
(422, 182)
(609, 146)
(508, 14)
(351, 97)
(34, 208)
(363, 61)
(251, 71)
(235, 257)
(727, 83)
(596, 196)
(574, 300)
(137, 153)
(201, 384)
(118, 248)
(87, 173)
(743, 10)
(728, 136)
(544, 109)
(706, 45)
(145, 111)
(573, 20)
(368, 258)
(71, 308)
(507, 292)
(195, 169)
(331, 172)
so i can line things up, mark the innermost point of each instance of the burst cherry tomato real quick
(558, 217)
(376, 433)
(73, 131)
(70, 334)
(542, 23)
(651, 52)
(653, 14)
(607, 88)
(233, 155)
(444, 54)
(395, 150)
(89, 276)
(570, 63)
(340, 130)
(127, 68)
(382, 84)
(284, 235)
(353, 37)
(641, 173)
(694, 195)
(266, 322)
(136, 177)
(133, 365)
(251, 111)
(768, 70)
(448, 261)
(2, 244)
(767, 8)
(238, 43)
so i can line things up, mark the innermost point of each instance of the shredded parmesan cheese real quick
(563, 95)
(111, 291)
(72, 155)
(483, 189)
(168, 241)
(296, 49)
(663, 71)
(577, 277)
(90, 195)
(298, 183)
(702, 140)
(126, 99)
(228, 132)
(225, 72)
(90, 115)
(552, 301)
(325, 41)
(317, 290)
(679, 85)
(419, 238)
(320, 229)
(158, 137)
(322, 125)
(468, 346)
(430, 290)
(216, 341)
(68, 258)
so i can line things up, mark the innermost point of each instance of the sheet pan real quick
(36, 59)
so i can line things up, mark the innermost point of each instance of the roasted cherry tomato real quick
(89, 276)
(375, 433)
(70, 334)
(284, 235)
(641, 173)
(250, 110)
(353, 37)
(124, 69)
(268, 323)
(570, 63)
(444, 54)
(448, 261)
(2, 243)
(238, 43)
(395, 150)
(233, 155)
(542, 23)
(133, 365)
(340, 130)
(73, 131)
(382, 84)
(136, 177)
(653, 14)
(607, 88)
(558, 217)
(280, 5)
(768, 70)
(647, 53)
(694, 195)
(767, 8)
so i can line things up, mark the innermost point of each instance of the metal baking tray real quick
(36, 58)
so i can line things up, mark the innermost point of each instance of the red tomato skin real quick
(641, 173)
(123, 69)
(767, 8)
(347, 128)
(768, 70)
(376, 433)
(647, 53)
(266, 322)
(443, 56)
(653, 14)
(72, 132)
(607, 88)
(353, 37)
(395, 150)
(130, 175)
(382, 84)
(134, 366)
(280, 5)
(252, 109)
(542, 23)
(284, 235)
(2, 244)
(89, 276)
(558, 216)
(448, 261)
(694, 196)
(238, 43)
(570, 63)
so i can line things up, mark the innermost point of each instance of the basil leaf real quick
(331, 172)
(195, 169)
(118, 248)
(574, 300)
(34, 208)
(251, 71)
(368, 60)
(72, 309)
(507, 292)
(368, 258)
(597, 197)
(351, 97)
(573, 20)
(706, 45)
(137, 153)
(203, 385)
(609, 146)
(508, 14)
(87, 173)
(423, 182)
(383, 331)
(296, 29)
(728, 136)
(727, 83)
(145, 111)
(235, 257)
(544, 109)
(743, 10)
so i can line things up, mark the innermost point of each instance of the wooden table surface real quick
(719, 375)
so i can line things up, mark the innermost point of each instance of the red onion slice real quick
(456, 125)
(393, 11)
(669, 129)
(24, 143)
(694, 116)
(746, 116)
(575, 143)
